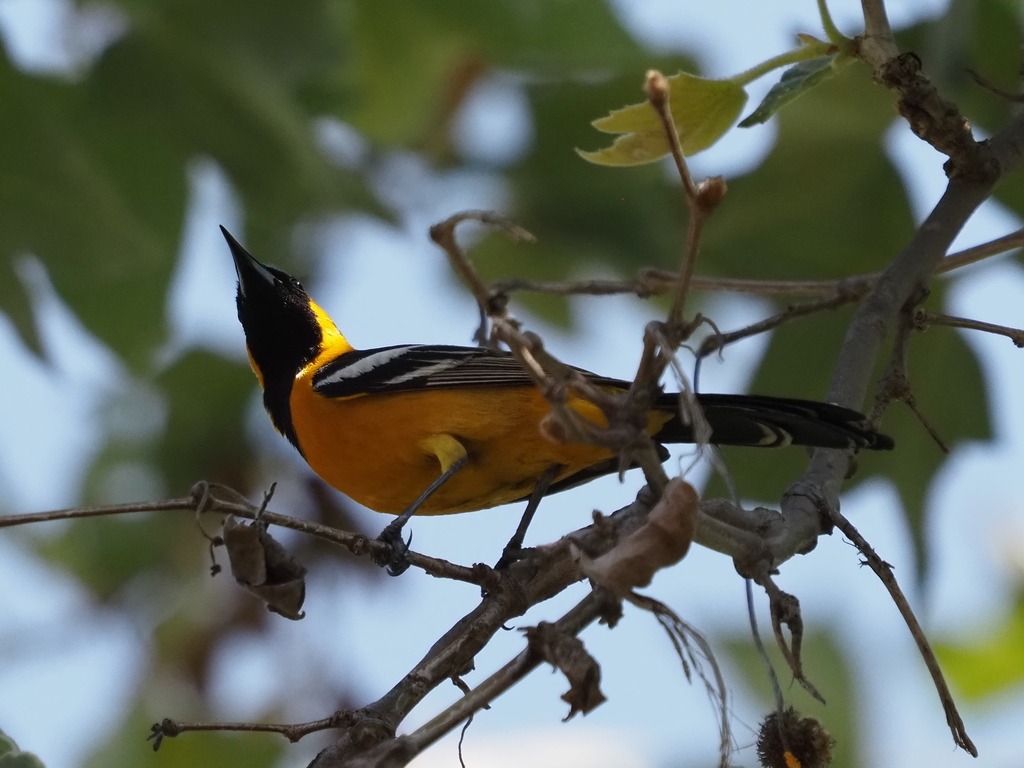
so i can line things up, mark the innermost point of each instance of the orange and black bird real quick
(438, 430)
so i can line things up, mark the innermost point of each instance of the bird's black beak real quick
(249, 270)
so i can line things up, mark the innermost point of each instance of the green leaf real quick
(21, 760)
(990, 665)
(794, 82)
(703, 110)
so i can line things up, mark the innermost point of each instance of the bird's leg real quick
(514, 549)
(452, 456)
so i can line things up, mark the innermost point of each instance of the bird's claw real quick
(396, 557)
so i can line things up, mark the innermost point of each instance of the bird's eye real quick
(296, 284)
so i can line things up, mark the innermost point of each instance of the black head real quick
(281, 326)
(283, 329)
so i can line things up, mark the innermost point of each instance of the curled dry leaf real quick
(265, 568)
(662, 540)
(785, 611)
(567, 653)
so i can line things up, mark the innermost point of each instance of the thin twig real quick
(884, 572)
(75, 513)
(209, 498)
(978, 252)
(700, 200)
(894, 383)
(653, 282)
(924, 318)
(988, 85)
(717, 341)
(629, 420)
(443, 234)
(168, 728)
(780, 705)
(356, 543)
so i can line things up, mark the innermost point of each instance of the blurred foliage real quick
(12, 757)
(94, 182)
(128, 747)
(826, 668)
(992, 663)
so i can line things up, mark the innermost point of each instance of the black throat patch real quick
(283, 336)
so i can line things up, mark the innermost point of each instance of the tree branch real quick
(521, 586)
(819, 487)
(404, 748)
(814, 497)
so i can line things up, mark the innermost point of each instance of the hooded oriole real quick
(384, 425)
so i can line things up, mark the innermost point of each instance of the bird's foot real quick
(396, 557)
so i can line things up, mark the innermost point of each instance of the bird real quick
(439, 429)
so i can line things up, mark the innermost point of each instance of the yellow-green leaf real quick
(703, 110)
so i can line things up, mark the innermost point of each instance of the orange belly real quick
(371, 447)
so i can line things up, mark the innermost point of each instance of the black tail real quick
(755, 420)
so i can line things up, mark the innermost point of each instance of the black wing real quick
(416, 366)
